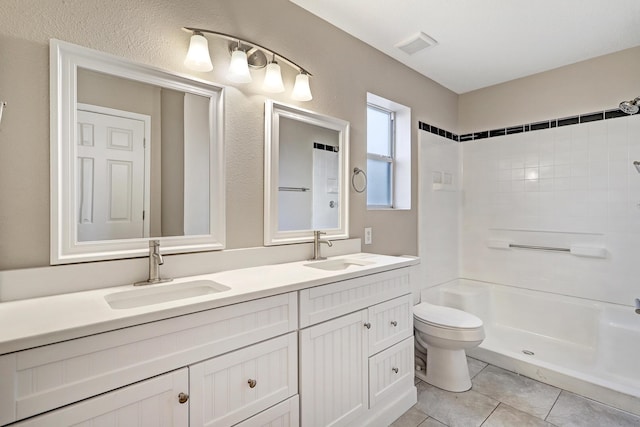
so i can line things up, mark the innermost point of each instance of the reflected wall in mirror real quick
(306, 157)
(137, 153)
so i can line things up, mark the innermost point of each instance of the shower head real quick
(637, 165)
(630, 107)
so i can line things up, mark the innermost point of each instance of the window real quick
(388, 154)
(380, 156)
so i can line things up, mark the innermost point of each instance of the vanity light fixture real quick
(247, 55)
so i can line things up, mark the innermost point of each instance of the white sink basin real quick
(338, 264)
(155, 295)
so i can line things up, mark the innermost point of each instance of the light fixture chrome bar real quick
(539, 248)
(248, 42)
(303, 189)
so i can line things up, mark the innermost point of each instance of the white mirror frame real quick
(65, 59)
(273, 112)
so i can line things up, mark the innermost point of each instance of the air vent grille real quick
(416, 43)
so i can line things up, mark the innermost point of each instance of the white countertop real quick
(40, 321)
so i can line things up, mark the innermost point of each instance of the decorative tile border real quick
(325, 147)
(546, 124)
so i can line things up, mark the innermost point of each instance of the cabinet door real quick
(391, 322)
(333, 371)
(230, 388)
(153, 402)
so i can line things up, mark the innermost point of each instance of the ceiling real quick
(486, 42)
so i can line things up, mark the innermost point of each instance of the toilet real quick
(444, 333)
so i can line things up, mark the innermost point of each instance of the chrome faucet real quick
(155, 261)
(317, 241)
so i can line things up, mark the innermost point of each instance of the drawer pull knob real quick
(183, 397)
(252, 383)
(394, 323)
(395, 370)
(367, 325)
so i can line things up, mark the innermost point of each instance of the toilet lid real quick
(446, 316)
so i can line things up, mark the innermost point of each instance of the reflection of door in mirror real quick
(308, 180)
(175, 169)
(112, 176)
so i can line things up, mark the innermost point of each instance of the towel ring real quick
(357, 171)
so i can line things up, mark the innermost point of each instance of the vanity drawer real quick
(230, 388)
(285, 414)
(391, 373)
(44, 378)
(153, 402)
(326, 302)
(391, 322)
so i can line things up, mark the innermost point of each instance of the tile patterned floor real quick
(500, 398)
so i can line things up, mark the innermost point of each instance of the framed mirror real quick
(136, 154)
(306, 162)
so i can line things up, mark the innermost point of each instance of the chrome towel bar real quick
(293, 189)
(539, 248)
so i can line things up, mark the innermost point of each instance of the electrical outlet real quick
(367, 236)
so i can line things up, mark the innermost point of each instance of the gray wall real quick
(172, 164)
(150, 32)
(588, 86)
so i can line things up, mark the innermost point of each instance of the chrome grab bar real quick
(539, 248)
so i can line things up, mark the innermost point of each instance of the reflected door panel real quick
(111, 176)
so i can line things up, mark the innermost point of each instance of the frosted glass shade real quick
(273, 79)
(239, 68)
(301, 89)
(198, 58)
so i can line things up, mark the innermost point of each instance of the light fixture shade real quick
(273, 79)
(198, 58)
(239, 68)
(301, 89)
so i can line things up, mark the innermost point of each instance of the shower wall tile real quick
(439, 210)
(555, 186)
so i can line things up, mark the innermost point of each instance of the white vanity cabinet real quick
(327, 352)
(45, 378)
(356, 355)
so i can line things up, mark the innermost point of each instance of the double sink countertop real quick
(46, 320)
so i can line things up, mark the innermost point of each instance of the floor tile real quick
(506, 416)
(412, 418)
(574, 410)
(432, 422)
(454, 409)
(525, 394)
(475, 366)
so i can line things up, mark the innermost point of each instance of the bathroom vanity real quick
(304, 343)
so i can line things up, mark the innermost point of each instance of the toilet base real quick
(452, 373)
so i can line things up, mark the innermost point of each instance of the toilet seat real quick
(445, 317)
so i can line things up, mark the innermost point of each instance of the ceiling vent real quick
(416, 43)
